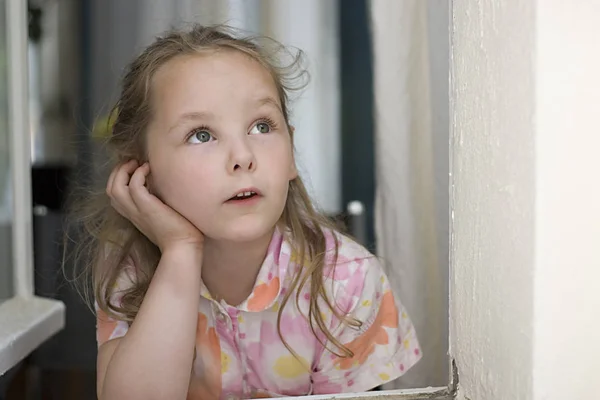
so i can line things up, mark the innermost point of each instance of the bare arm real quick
(154, 359)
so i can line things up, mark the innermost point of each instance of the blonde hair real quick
(103, 227)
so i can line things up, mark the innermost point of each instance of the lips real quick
(244, 194)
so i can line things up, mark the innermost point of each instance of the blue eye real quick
(260, 128)
(200, 136)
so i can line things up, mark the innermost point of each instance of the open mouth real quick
(244, 196)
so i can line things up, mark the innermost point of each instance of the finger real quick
(124, 172)
(120, 188)
(137, 185)
(138, 178)
(130, 166)
(113, 174)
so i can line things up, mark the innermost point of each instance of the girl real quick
(214, 276)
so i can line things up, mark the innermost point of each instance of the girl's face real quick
(218, 132)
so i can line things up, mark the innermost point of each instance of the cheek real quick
(277, 154)
(181, 182)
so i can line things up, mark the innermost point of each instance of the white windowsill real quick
(430, 393)
(25, 323)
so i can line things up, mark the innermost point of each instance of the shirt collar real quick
(269, 285)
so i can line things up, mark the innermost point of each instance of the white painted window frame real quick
(26, 321)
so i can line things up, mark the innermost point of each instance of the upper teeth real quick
(245, 194)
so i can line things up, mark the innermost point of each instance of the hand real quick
(161, 224)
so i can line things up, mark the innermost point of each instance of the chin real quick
(245, 230)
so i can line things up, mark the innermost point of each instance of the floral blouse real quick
(241, 355)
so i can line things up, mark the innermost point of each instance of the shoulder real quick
(355, 273)
(342, 253)
(348, 248)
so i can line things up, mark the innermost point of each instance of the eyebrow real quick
(191, 116)
(269, 101)
(203, 115)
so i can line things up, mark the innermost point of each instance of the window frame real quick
(26, 321)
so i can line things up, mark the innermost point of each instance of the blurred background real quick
(371, 138)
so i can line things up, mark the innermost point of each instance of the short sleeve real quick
(107, 327)
(384, 347)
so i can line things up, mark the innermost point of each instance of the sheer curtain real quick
(410, 46)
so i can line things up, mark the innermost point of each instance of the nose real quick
(241, 156)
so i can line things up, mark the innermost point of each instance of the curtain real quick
(411, 144)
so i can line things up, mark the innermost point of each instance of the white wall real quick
(492, 197)
(525, 201)
(567, 270)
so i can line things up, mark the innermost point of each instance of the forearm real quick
(154, 359)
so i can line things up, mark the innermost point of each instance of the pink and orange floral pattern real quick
(239, 350)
